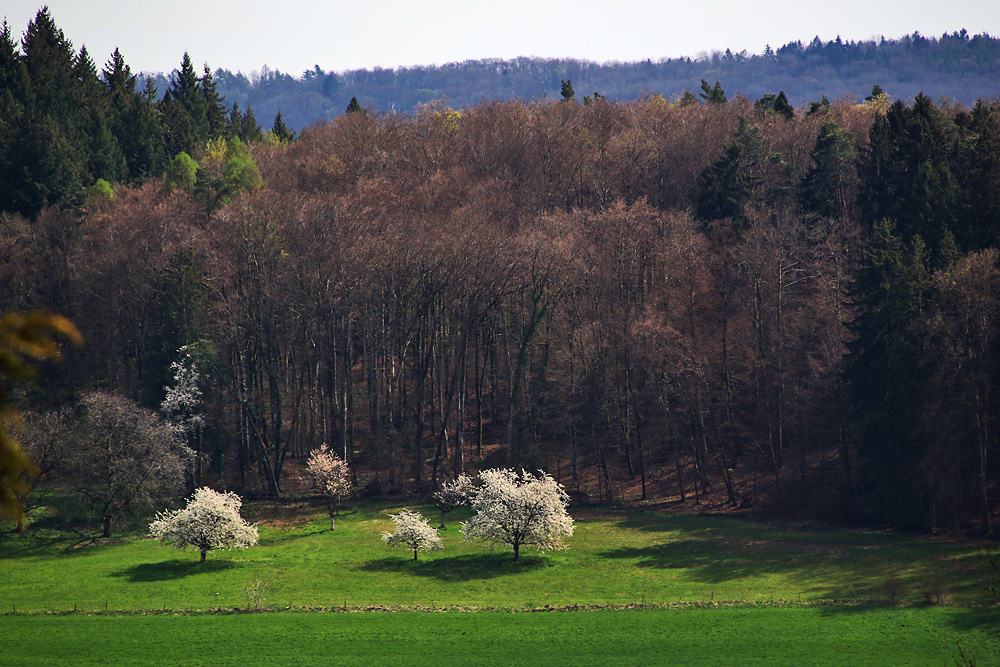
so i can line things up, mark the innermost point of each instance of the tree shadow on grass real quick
(817, 571)
(58, 546)
(458, 568)
(963, 619)
(172, 569)
(279, 536)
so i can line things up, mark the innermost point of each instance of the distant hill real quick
(957, 66)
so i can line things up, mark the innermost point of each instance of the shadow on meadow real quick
(457, 568)
(172, 569)
(962, 619)
(828, 563)
(48, 545)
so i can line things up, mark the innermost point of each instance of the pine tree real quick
(282, 132)
(566, 90)
(13, 93)
(187, 120)
(133, 120)
(712, 94)
(906, 172)
(776, 103)
(49, 62)
(729, 182)
(824, 186)
(249, 131)
(884, 373)
(215, 107)
(104, 156)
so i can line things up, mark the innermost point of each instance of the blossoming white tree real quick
(330, 475)
(181, 405)
(519, 509)
(210, 521)
(459, 491)
(412, 531)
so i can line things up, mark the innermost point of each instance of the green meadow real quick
(691, 636)
(633, 587)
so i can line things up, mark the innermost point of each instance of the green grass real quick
(614, 558)
(690, 636)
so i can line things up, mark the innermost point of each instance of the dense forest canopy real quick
(958, 67)
(651, 298)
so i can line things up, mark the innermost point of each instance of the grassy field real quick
(614, 558)
(690, 636)
(802, 595)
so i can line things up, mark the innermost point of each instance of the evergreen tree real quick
(178, 130)
(51, 167)
(48, 134)
(282, 132)
(726, 185)
(249, 131)
(49, 62)
(353, 106)
(712, 94)
(133, 119)
(104, 156)
(776, 103)
(566, 90)
(215, 107)
(977, 169)
(13, 93)
(906, 172)
(187, 120)
(823, 188)
(884, 373)
(819, 107)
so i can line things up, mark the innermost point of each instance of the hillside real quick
(958, 67)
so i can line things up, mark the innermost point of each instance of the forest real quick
(708, 298)
(958, 67)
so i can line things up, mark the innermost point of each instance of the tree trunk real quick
(203, 553)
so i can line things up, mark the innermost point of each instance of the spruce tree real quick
(712, 94)
(215, 107)
(282, 132)
(906, 172)
(726, 185)
(104, 156)
(187, 120)
(824, 186)
(566, 90)
(884, 372)
(13, 93)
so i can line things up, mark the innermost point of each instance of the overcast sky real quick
(338, 35)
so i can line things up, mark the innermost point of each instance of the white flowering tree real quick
(331, 476)
(413, 532)
(459, 491)
(182, 404)
(519, 509)
(210, 521)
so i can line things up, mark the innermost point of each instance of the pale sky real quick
(338, 35)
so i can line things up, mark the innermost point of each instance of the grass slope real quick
(689, 636)
(614, 557)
